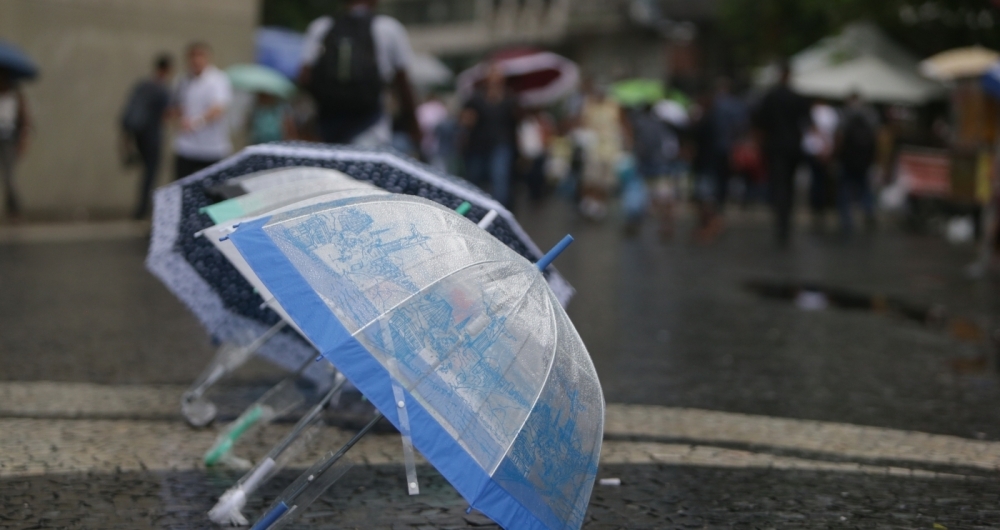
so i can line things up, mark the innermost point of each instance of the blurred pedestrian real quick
(15, 123)
(817, 145)
(271, 120)
(728, 124)
(600, 137)
(655, 148)
(855, 154)
(199, 106)
(748, 164)
(432, 115)
(348, 61)
(722, 126)
(534, 138)
(490, 119)
(142, 125)
(781, 118)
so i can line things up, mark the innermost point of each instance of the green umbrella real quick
(633, 92)
(257, 78)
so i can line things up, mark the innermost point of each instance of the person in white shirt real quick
(347, 64)
(199, 109)
(817, 145)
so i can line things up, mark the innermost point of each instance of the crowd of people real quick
(652, 155)
(648, 156)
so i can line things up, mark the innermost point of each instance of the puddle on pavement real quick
(809, 296)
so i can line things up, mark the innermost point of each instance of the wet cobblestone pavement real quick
(651, 496)
(743, 412)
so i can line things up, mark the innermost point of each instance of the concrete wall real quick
(90, 52)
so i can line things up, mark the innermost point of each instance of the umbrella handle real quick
(312, 483)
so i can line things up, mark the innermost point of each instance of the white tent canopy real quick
(858, 59)
(872, 78)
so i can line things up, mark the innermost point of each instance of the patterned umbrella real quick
(455, 337)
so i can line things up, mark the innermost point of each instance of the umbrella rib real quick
(409, 388)
(520, 303)
(423, 289)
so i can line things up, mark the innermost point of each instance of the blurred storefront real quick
(90, 52)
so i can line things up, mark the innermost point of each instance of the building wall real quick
(90, 52)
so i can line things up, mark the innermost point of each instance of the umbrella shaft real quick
(308, 418)
(337, 456)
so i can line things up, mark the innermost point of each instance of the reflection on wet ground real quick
(814, 297)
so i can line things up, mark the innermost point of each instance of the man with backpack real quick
(348, 62)
(855, 153)
(142, 125)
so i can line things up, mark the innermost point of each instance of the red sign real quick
(924, 172)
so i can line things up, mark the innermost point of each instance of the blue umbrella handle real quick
(271, 517)
(551, 255)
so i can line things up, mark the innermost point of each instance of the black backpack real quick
(345, 79)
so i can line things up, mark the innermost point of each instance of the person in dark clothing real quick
(349, 62)
(781, 118)
(855, 154)
(728, 123)
(490, 120)
(142, 125)
(718, 132)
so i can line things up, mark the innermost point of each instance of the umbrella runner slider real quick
(227, 511)
(199, 411)
(276, 402)
(311, 484)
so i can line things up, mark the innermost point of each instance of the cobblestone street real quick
(725, 409)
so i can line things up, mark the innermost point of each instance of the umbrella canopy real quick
(222, 299)
(971, 61)
(540, 78)
(872, 78)
(428, 71)
(282, 192)
(672, 112)
(15, 61)
(632, 92)
(500, 392)
(280, 49)
(218, 236)
(258, 78)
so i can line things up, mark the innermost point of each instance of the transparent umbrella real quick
(455, 337)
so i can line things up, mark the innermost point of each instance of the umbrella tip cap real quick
(551, 255)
